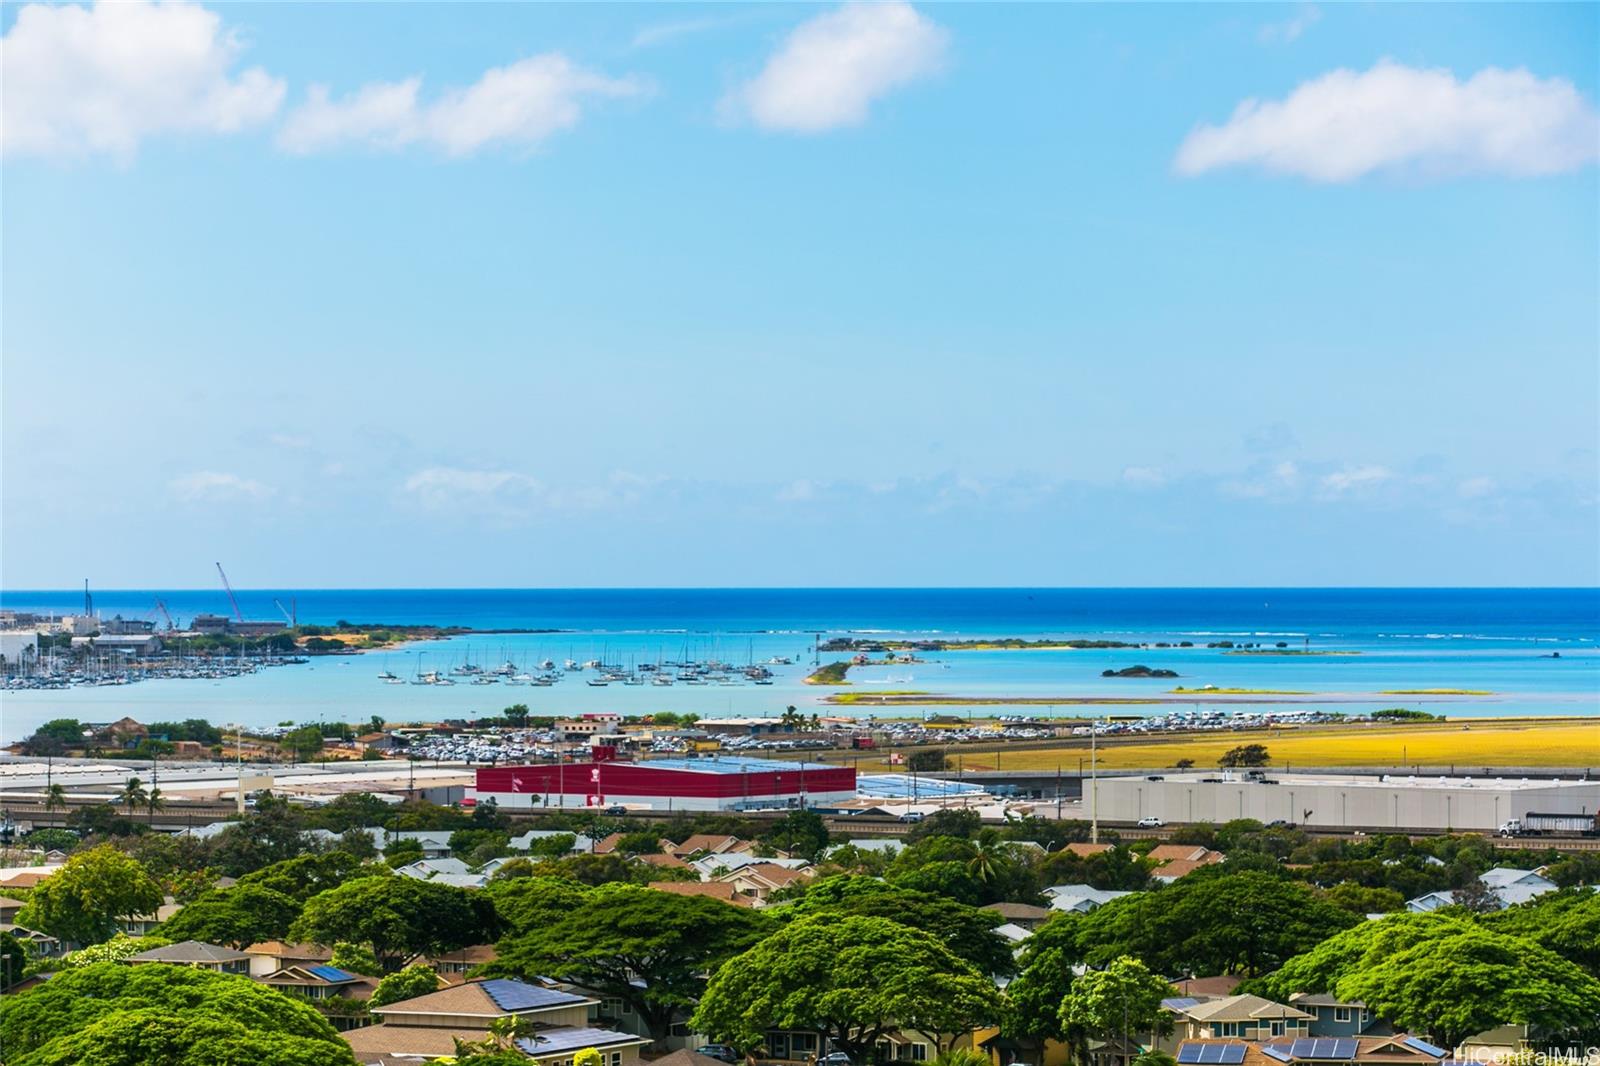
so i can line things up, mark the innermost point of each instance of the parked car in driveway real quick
(718, 1051)
(834, 1058)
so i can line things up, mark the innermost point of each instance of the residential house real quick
(1334, 1017)
(723, 890)
(428, 869)
(321, 982)
(270, 956)
(9, 908)
(1173, 861)
(1214, 987)
(664, 861)
(1083, 849)
(435, 842)
(25, 876)
(1023, 915)
(1243, 1017)
(582, 844)
(1080, 899)
(1508, 885)
(710, 844)
(195, 953)
(42, 945)
(711, 866)
(1014, 933)
(145, 924)
(427, 1026)
(1393, 1050)
(454, 965)
(759, 880)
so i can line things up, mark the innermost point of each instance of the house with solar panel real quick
(322, 983)
(428, 1026)
(1398, 1050)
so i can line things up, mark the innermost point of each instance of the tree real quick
(855, 980)
(927, 761)
(86, 899)
(1048, 960)
(1566, 922)
(967, 931)
(55, 798)
(949, 822)
(155, 801)
(1124, 998)
(1475, 897)
(1470, 980)
(116, 949)
(403, 851)
(588, 1057)
(355, 959)
(133, 794)
(408, 983)
(273, 832)
(517, 714)
(304, 742)
(306, 875)
(528, 903)
(13, 957)
(1245, 755)
(1359, 900)
(802, 834)
(237, 917)
(464, 842)
(649, 949)
(115, 1015)
(397, 917)
(1213, 923)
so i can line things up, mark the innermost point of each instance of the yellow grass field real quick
(1480, 743)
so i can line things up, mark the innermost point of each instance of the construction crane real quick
(229, 589)
(172, 626)
(288, 615)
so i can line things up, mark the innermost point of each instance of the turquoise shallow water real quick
(1499, 640)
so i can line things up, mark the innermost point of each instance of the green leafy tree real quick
(854, 979)
(967, 931)
(1047, 963)
(1360, 900)
(273, 832)
(649, 949)
(530, 903)
(397, 917)
(303, 743)
(802, 834)
(465, 842)
(355, 959)
(1566, 922)
(13, 959)
(1463, 983)
(90, 895)
(1245, 923)
(116, 949)
(588, 1057)
(403, 851)
(55, 798)
(1245, 755)
(517, 714)
(238, 917)
(119, 1015)
(1122, 999)
(408, 983)
(306, 875)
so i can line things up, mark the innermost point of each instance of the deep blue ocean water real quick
(1500, 640)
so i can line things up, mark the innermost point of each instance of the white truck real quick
(1535, 825)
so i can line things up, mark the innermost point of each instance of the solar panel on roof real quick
(512, 995)
(1277, 1052)
(1423, 1046)
(1345, 1048)
(1232, 1054)
(1179, 1002)
(331, 973)
(1189, 1054)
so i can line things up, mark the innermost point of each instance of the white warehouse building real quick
(1390, 801)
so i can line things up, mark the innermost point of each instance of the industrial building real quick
(722, 783)
(1388, 801)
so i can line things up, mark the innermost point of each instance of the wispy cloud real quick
(1347, 124)
(210, 486)
(659, 33)
(443, 488)
(1290, 29)
(99, 80)
(1354, 477)
(518, 105)
(832, 68)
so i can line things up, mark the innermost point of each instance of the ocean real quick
(1533, 650)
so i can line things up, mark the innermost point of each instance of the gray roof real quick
(555, 1041)
(190, 951)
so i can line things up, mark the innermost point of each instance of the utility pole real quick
(1094, 781)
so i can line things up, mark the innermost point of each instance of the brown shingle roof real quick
(712, 842)
(371, 1041)
(1083, 850)
(664, 860)
(278, 949)
(722, 890)
(1025, 911)
(1184, 853)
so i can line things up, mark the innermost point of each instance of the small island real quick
(1139, 671)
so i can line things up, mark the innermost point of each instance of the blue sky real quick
(788, 295)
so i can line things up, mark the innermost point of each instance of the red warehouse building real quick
(722, 783)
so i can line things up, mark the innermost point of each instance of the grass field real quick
(1476, 744)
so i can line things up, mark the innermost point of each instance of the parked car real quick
(834, 1058)
(718, 1051)
(618, 809)
(1151, 822)
(909, 816)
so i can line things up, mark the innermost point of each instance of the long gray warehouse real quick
(1390, 801)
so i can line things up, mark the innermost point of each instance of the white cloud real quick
(1354, 477)
(1346, 124)
(1289, 30)
(441, 488)
(519, 105)
(1144, 477)
(1474, 488)
(209, 486)
(832, 67)
(83, 81)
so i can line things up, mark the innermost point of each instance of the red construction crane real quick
(229, 589)
(171, 625)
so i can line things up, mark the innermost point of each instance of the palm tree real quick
(55, 798)
(155, 801)
(132, 794)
